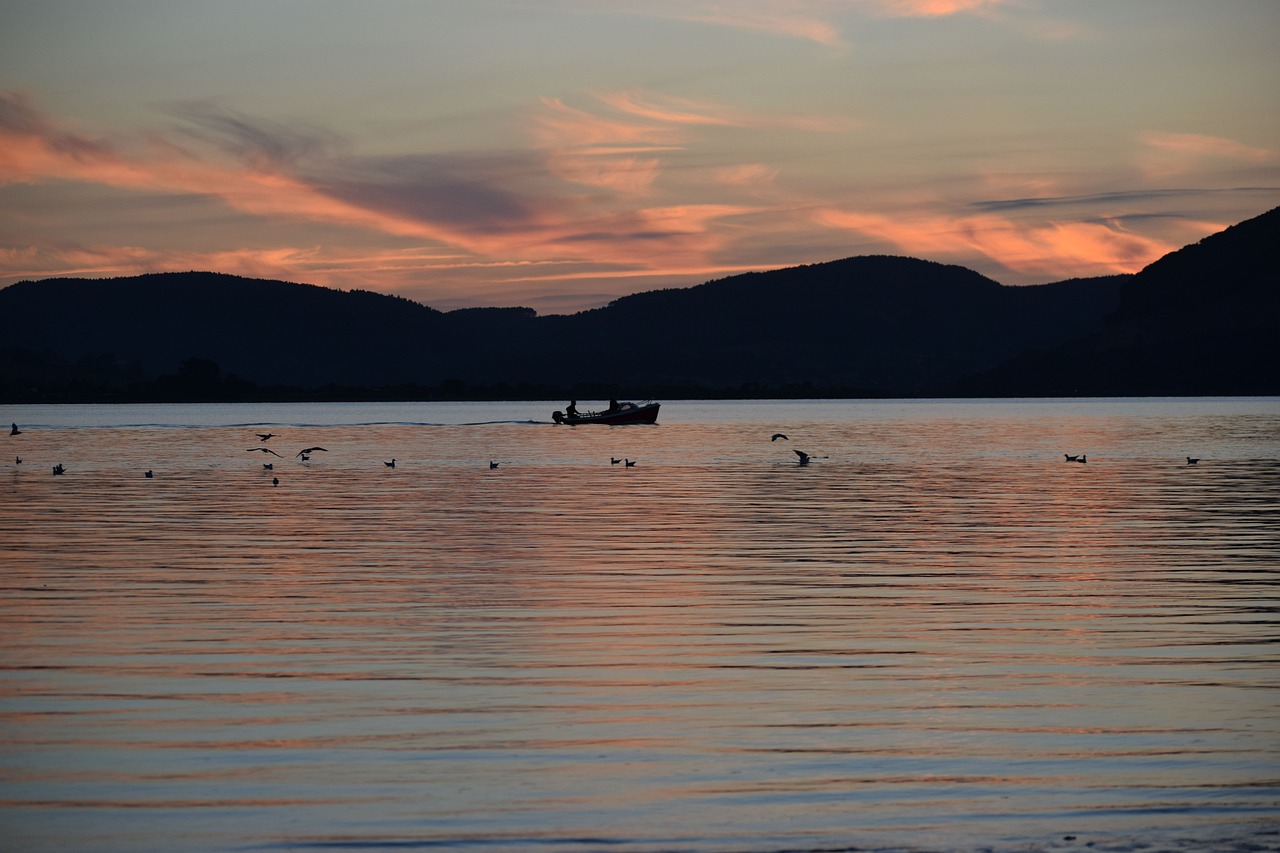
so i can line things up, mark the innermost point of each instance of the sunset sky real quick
(560, 153)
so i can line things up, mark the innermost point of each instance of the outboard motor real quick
(557, 416)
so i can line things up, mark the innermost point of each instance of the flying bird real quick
(1191, 461)
(804, 457)
(306, 450)
(263, 436)
(13, 430)
(778, 435)
(263, 450)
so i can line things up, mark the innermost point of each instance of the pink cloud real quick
(1052, 250)
(932, 8)
(1195, 145)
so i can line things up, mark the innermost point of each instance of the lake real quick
(937, 635)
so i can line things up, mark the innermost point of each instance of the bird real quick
(13, 430)
(17, 460)
(1070, 458)
(268, 466)
(778, 435)
(304, 451)
(263, 436)
(628, 463)
(148, 474)
(613, 461)
(1083, 459)
(58, 469)
(1191, 461)
(804, 457)
(390, 464)
(275, 481)
(263, 450)
(492, 465)
(305, 457)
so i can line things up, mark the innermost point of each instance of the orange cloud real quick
(932, 8)
(670, 110)
(1052, 250)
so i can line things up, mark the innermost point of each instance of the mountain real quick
(1201, 320)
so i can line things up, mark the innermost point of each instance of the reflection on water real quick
(939, 634)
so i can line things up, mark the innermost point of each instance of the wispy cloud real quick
(1199, 145)
(931, 8)
(1051, 250)
(822, 22)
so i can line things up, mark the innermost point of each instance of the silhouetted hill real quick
(1201, 320)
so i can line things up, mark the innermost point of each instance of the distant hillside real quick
(1199, 321)
(1202, 320)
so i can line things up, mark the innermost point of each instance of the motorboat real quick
(621, 413)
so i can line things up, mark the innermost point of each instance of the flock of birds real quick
(304, 455)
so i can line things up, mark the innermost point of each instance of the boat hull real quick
(627, 413)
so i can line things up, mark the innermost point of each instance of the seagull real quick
(304, 451)
(268, 466)
(1191, 461)
(148, 475)
(1075, 458)
(492, 465)
(778, 435)
(58, 469)
(275, 481)
(804, 457)
(263, 436)
(1083, 459)
(613, 461)
(17, 460)
(390, 464)
(263, 450)
(627, 463)
(305, 457)
(13, 430)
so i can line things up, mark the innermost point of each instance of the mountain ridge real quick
(1200, 320)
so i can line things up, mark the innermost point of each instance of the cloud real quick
(1198, 146)
(817, 21)
(931, 8)
(1049, 250)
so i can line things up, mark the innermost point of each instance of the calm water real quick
(939, 635)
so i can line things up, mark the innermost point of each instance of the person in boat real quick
(571, 411)
(613, 405)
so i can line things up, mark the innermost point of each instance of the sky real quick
(558, 154)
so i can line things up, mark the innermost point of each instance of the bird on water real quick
(628, 463)
(1071, 458)
(492, 465)
(390, 464)
(148, 474)
(1191, 461)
